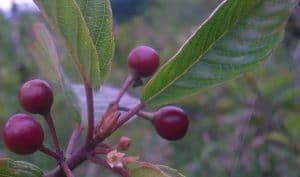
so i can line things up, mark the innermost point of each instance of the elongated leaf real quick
(236, 38)
(43, 52)
(98, 17)
(79, 35)
(11, 168)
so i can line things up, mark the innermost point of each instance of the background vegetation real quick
(248, 127)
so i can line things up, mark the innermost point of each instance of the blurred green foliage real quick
(247, 127)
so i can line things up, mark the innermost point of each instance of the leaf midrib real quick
(188, 40)
(75, 57)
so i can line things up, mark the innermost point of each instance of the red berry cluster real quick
(22, 134)
(170, 122)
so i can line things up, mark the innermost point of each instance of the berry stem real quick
(49, 152)
(82, 154)
(129, 81)
(74, 138)
(51, 126)
(90, 112)
(66, 169)
(129, 114)
(143, 114)
(99, 161)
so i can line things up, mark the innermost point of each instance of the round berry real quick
(22, 134)
(143, 60)
(124, 143)
(171, 123)
(36, 96)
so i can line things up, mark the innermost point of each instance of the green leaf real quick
(143, 169)
(86, 35)
(11, 168)
(98, 17)
(44, 53)
(236, 38)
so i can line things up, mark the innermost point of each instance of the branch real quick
(143, 114)
(129, 114)
(74, 138)
(67, 170)
(51, 125)
(90, 111)
(49, 152)
(79, 157)
(129, 81)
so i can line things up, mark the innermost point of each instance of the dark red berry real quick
(143, 60)
(171, 123)
(22, 134)
(36, 96)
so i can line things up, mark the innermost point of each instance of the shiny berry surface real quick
(36, 96)
(143, 60)
(171, 123)
(22, 134)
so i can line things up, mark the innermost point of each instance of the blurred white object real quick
(6, 5)
(102, 99)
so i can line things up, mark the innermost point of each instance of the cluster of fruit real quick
(23, 135)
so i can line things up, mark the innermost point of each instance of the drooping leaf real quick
(98, 17)
(90, 48)
(44, 53)
(236, 38)
(11, 168)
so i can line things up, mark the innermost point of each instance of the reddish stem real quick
(90, 111)
(79, 157)
(82, 154)
(51, 125)
(66, 169)
(129, 81)
(129, 114)
(74, 138)
(49, 152)
(143, 114)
